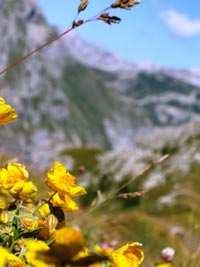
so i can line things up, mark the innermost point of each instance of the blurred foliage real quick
(144, 218)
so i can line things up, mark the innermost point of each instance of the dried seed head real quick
(83, 5)
(105, 17)
(126, 4)
(132, 195)
(77, 23)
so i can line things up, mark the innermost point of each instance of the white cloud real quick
(181, 24)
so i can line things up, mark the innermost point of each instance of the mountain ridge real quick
(63, 99)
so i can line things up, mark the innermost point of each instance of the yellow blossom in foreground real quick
(24, 190)
(7, 113)
(64, 201)
(34, 253)
(60, 180)
(8, 259)
(130, 255)
(68, 242)
(14, 172)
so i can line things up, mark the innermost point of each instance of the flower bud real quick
(167, 254)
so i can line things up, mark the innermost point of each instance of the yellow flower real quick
(129, 255)
(13, 173)
(7, 113)
(30, 223)
(8, 259)
(24, 190)
(64, 201)
(13, 180)
(44, 210)
(35, 251)
(60, 180)
(68, 242)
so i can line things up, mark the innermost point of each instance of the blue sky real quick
(164, 32)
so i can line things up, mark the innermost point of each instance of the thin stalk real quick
(34, 51)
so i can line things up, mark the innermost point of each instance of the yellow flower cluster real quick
(64, 187)
(30, 233)
(14, 183)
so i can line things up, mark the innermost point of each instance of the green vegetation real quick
(149, 219)
(91, 108)
(156, 84)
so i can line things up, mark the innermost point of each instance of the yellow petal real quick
(60, 180)
(24, 190)
(7, 113)
(65, 202)
(17, 171)
(35, 253)
(44, 210)
(8, 259)
(130, 255)
(30, 223)
(13, 173)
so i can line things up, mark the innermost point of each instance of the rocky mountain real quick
(66, 98)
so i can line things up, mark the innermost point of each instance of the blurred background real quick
(120, 105)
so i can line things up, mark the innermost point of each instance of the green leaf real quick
(16, 227)
(4, 238)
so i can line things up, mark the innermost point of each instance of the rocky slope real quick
(65, 98)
